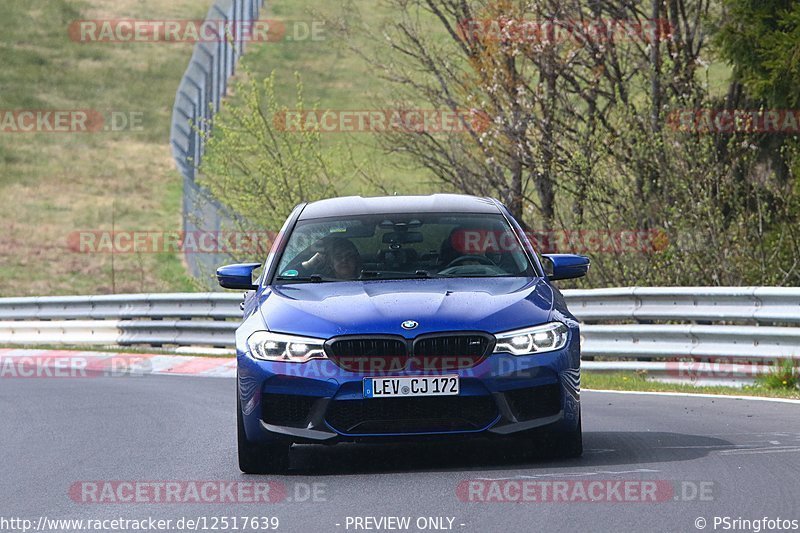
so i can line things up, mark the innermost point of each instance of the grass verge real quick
(629, 381)
(53, 185)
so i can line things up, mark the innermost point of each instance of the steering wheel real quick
(464, 258)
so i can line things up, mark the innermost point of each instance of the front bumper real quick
(319, 402)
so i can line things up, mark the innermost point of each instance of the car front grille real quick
(450, 351)
(412, 415)
(368, 355)
(374, 354)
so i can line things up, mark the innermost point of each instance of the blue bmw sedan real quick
(384, 318)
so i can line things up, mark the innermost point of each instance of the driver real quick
(338, 258)
(454, 248)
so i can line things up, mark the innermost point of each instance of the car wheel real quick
(546, 443)
(257, 458)
(567, 444)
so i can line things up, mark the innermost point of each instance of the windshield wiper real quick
(374, 274)
(485, 276)
(313, 278)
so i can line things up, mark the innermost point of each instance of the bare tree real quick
(578, 97)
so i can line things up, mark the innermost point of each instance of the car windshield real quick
(400, 246)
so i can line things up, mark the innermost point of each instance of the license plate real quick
(401, 387)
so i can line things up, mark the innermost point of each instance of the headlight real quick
(539, 339)
(286, 348)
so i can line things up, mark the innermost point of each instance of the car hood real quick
(324, 310)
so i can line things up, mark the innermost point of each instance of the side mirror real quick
(566, 266)
(237, 276)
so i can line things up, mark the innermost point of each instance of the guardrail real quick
(759, 305)
(198, 98)
(193, 319)
(740, 332)
(119, 332)
(215, 306)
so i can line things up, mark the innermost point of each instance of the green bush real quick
(261, 171)
(784, 375)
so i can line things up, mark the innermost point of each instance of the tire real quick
(568, 444)
(552, 444)
(256, 458)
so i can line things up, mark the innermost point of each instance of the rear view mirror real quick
(402, 237)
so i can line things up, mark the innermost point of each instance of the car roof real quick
(433, 203)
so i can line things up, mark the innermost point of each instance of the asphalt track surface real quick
(743, 455)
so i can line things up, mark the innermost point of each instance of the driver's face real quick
(345, 264)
